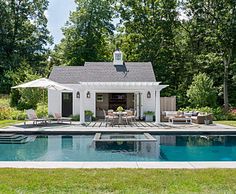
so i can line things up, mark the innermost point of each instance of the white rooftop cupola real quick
(117, 57)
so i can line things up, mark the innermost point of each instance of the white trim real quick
(82, 97)
(120, 83)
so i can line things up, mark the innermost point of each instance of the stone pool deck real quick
(109, 165)
(75, 127)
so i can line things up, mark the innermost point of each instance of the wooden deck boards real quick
(132, 124)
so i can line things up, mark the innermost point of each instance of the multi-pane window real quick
(99, 98)
(118, 56)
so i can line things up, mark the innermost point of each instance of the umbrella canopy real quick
(43, 83)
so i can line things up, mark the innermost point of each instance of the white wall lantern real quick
(78, 95)
(88, 94)
(149, 94)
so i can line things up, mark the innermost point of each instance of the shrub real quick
(42, 110)
(5, 113)
(202, 93)
(88, 113)
(75, 118)
(149, 113)
(11, 114)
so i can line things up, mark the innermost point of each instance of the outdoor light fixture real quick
(78, 95)
(149, 94)
(88, 94)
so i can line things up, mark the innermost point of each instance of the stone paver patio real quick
(76, 127)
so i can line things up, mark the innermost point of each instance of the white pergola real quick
(121, 86)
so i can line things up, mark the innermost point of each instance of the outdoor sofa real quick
(196, 117)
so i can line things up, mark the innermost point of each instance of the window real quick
(66, 96)
(99, 98)
(118, 56)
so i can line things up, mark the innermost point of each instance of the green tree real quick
(202, 93)
(211, 30)
(86, 34)
(23, 37)
(24, 98)
(149, 31)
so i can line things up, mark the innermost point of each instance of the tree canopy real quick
(180, 38)
(86, 34)
(23, 37)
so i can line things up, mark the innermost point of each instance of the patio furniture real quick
(33, 117)
(167, 114)
(133, 117)
(120, 115)
(200, 119)
(185, 120)
(130, 116)
(110, 117)
(59, 118)
(106, 117)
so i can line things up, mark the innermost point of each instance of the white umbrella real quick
(44, 84)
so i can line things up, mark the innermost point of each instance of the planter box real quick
(88, 118)
(207, 122)
(148, 118)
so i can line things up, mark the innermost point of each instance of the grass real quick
(5, 123)
(230, 123)
(117, 181)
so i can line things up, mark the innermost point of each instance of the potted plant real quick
(88, 116)
(149, 116)
(119, 109)
(206, 121)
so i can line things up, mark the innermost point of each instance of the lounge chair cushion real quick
(57, 116)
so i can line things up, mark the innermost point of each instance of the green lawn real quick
(5, 123)
(117, 181)
(230, 123)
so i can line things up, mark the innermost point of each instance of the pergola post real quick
(157, 110)
(82, 116)
(137, 105)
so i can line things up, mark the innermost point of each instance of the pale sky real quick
(57, 14)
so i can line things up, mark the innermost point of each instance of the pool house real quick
(99, 86)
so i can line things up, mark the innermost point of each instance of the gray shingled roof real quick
(104, 72)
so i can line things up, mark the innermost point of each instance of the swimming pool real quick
(117, 147)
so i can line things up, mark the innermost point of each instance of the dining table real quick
(120, 114)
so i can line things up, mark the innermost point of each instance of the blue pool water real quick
(83, 148)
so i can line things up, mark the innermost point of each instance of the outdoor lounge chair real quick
(33, 117)
(60, 119)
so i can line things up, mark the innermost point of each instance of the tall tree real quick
(23, 37)
(86, 34)
(148, 33)
(212, 37)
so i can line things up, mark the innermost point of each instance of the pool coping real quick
(77, 129)
(109, 165)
